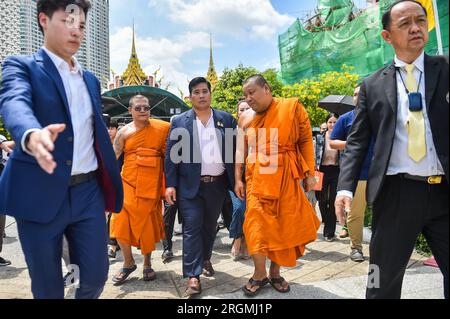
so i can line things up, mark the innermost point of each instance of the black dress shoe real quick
(167, 256)
(208, 270)
(4, 262)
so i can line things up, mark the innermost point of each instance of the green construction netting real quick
(335, 12)
(305, 52)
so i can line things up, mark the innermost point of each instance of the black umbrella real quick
(339, 104)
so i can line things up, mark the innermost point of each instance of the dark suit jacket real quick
(33, 96)
(377, 116)
(185, 176)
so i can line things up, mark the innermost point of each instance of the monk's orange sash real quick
(281, 117)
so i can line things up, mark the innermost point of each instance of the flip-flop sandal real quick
(279, 281)
(149, 274)
(255, 283)
(126, 272)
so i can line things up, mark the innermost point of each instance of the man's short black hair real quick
(113, 124)
(198, 81)
(387, 16)
(49, 7)
(259, 79)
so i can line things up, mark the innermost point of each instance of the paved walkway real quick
(325, 272)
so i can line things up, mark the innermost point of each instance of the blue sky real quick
(174, 34)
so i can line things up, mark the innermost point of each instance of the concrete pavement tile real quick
(324, 272)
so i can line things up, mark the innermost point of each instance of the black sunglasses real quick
(145, 108)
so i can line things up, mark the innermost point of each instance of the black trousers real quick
(403, 210)
(111, 241)
(327, 198)
(170, 212)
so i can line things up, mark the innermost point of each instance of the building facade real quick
(9, 28)
(94, 53)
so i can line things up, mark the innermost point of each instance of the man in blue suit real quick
(63, 174)
(199, 169)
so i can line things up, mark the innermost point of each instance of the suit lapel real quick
(91, 87)
(389, 81)
(218, 123)
(190, 118)
(49, 67)
(432, 71)
(194, 135)
(220, 131)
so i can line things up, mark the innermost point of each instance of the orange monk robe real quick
(140, 223)
(279, 220)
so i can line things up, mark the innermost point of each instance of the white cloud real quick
(239, 18)
(272, 64)
(154, 53)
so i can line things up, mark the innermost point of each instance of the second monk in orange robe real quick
(140, 223)
(279, 220)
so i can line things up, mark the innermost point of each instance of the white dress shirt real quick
(81, 112)
(400, 162)
(212, 163)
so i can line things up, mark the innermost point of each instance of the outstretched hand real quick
(41, 144)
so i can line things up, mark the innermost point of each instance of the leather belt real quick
(431, 180)
(82, 178)
(209, 179)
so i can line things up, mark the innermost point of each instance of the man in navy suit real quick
(63, 174)
(199, 169)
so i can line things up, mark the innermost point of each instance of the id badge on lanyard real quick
(414, 98)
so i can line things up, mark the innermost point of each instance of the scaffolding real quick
(340, 34)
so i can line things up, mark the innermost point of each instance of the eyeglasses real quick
(143, 108)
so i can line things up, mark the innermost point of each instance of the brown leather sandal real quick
(149, 274)
(255, 283)
(279, 281)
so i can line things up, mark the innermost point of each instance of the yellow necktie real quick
(417, 148)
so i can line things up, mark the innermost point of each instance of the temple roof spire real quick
(134, 75)
(212, 74)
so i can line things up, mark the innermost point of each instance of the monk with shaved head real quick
(140, 223)
(278, 153)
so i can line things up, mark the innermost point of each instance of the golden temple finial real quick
(212, 74)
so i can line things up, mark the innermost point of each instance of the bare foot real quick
(235, 250)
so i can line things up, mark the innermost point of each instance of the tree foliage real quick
(3, 131)
(311, 91)
(228, 90)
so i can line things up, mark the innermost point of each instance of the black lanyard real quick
(404, 84)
